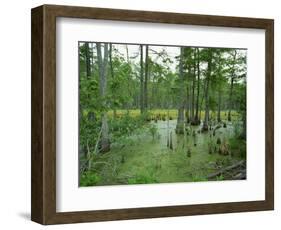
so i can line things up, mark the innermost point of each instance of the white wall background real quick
(15, 113)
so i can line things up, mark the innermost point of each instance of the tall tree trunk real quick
(208, 77)
(128, 81)
(190, 92)
(219, 89)
(231, 87)
(145, 91)
(141, 80)
(153, 102)
(88, 60)
(198, 86)
(92, 57)
(188, 114)
(89, 67)
(102, 64)
(230, 99)
(193, 91)
(187, 106)
(112, 74)
(180, 120)
(88, 76)
(219, 105)
(202, 99)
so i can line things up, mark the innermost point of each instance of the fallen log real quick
(240, 176)
(218, 173)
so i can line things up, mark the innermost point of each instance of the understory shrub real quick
(89, 179)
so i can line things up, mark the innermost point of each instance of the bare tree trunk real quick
(231, 87)
(193, 92)
(141, 80)
(202, 99)
(230, 99)
(180, 120)
(89, 67)
(92, 57)
(198, 86)
(88, 76)
(153, 102)
(88, 60)
(219, 91)
(112, 73)
(187, 109)
(128, 81)
(190, 93)
(110, 60)
(188, 114)
(146, 78)
(102, 63)
(209, 70)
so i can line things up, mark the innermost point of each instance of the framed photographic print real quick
(140, 114)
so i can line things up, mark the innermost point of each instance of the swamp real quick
(161, 114)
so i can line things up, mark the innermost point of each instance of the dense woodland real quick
(153, 114)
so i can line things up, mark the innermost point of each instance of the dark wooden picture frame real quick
(43, 189)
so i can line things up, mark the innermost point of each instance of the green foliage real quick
(237, 128)
(89, 130)
(125, 126)
(152, 130)
(238, 147)
(198, 178)
(220, 177)
(89, 179)
(212, 148)
(142, 179)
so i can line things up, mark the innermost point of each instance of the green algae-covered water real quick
(144, 159)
